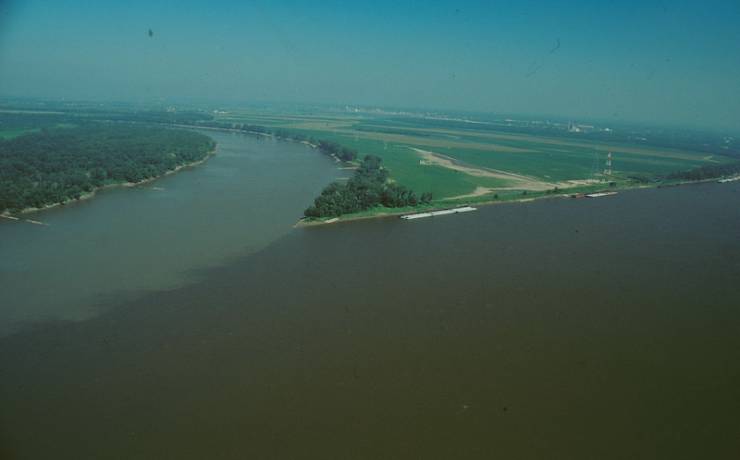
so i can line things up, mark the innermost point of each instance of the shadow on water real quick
(560, 329)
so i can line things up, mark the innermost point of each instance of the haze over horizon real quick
(649, 61)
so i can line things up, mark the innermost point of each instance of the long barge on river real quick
(600, 194)
(442, 212)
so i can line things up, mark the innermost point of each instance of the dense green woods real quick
(343, 153)
(707, 172)
(61, 164)
(368, 188)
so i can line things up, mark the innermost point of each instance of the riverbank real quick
(483, 200)
(347, 164)
(481, 196)
(204, 217)
(91, 194)
(242, 131)
(382, 213)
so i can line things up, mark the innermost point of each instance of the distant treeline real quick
(707, 172)
(32, 120)
(26, 119)
(148, 116)
(61, 164)
(343, 153)
(368, 188)
(328, 147)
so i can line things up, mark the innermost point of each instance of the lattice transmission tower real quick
(608, 166)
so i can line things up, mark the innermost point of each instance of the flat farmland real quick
(459, 160)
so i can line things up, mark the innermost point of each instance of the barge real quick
(600, 194)
(443, 212)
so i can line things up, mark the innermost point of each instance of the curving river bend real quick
(95, 253)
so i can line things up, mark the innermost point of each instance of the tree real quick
(60, 164)
(367, 188)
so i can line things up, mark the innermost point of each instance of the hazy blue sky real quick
(664, 61)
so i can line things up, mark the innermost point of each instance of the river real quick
(605, 328)
(126, 241)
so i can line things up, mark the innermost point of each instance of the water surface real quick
(558, 329)
(125, 241)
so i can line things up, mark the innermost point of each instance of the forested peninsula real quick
(706, 172)
(61, 164)
(367, 188)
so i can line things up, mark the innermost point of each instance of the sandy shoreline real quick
(89, 195)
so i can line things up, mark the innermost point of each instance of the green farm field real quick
(460, 161)
(15, 132)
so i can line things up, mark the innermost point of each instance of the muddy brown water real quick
(606, 328)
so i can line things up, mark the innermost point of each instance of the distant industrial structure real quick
(608, 166)
(578, 128)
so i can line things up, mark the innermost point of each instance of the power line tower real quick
(608, 166)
